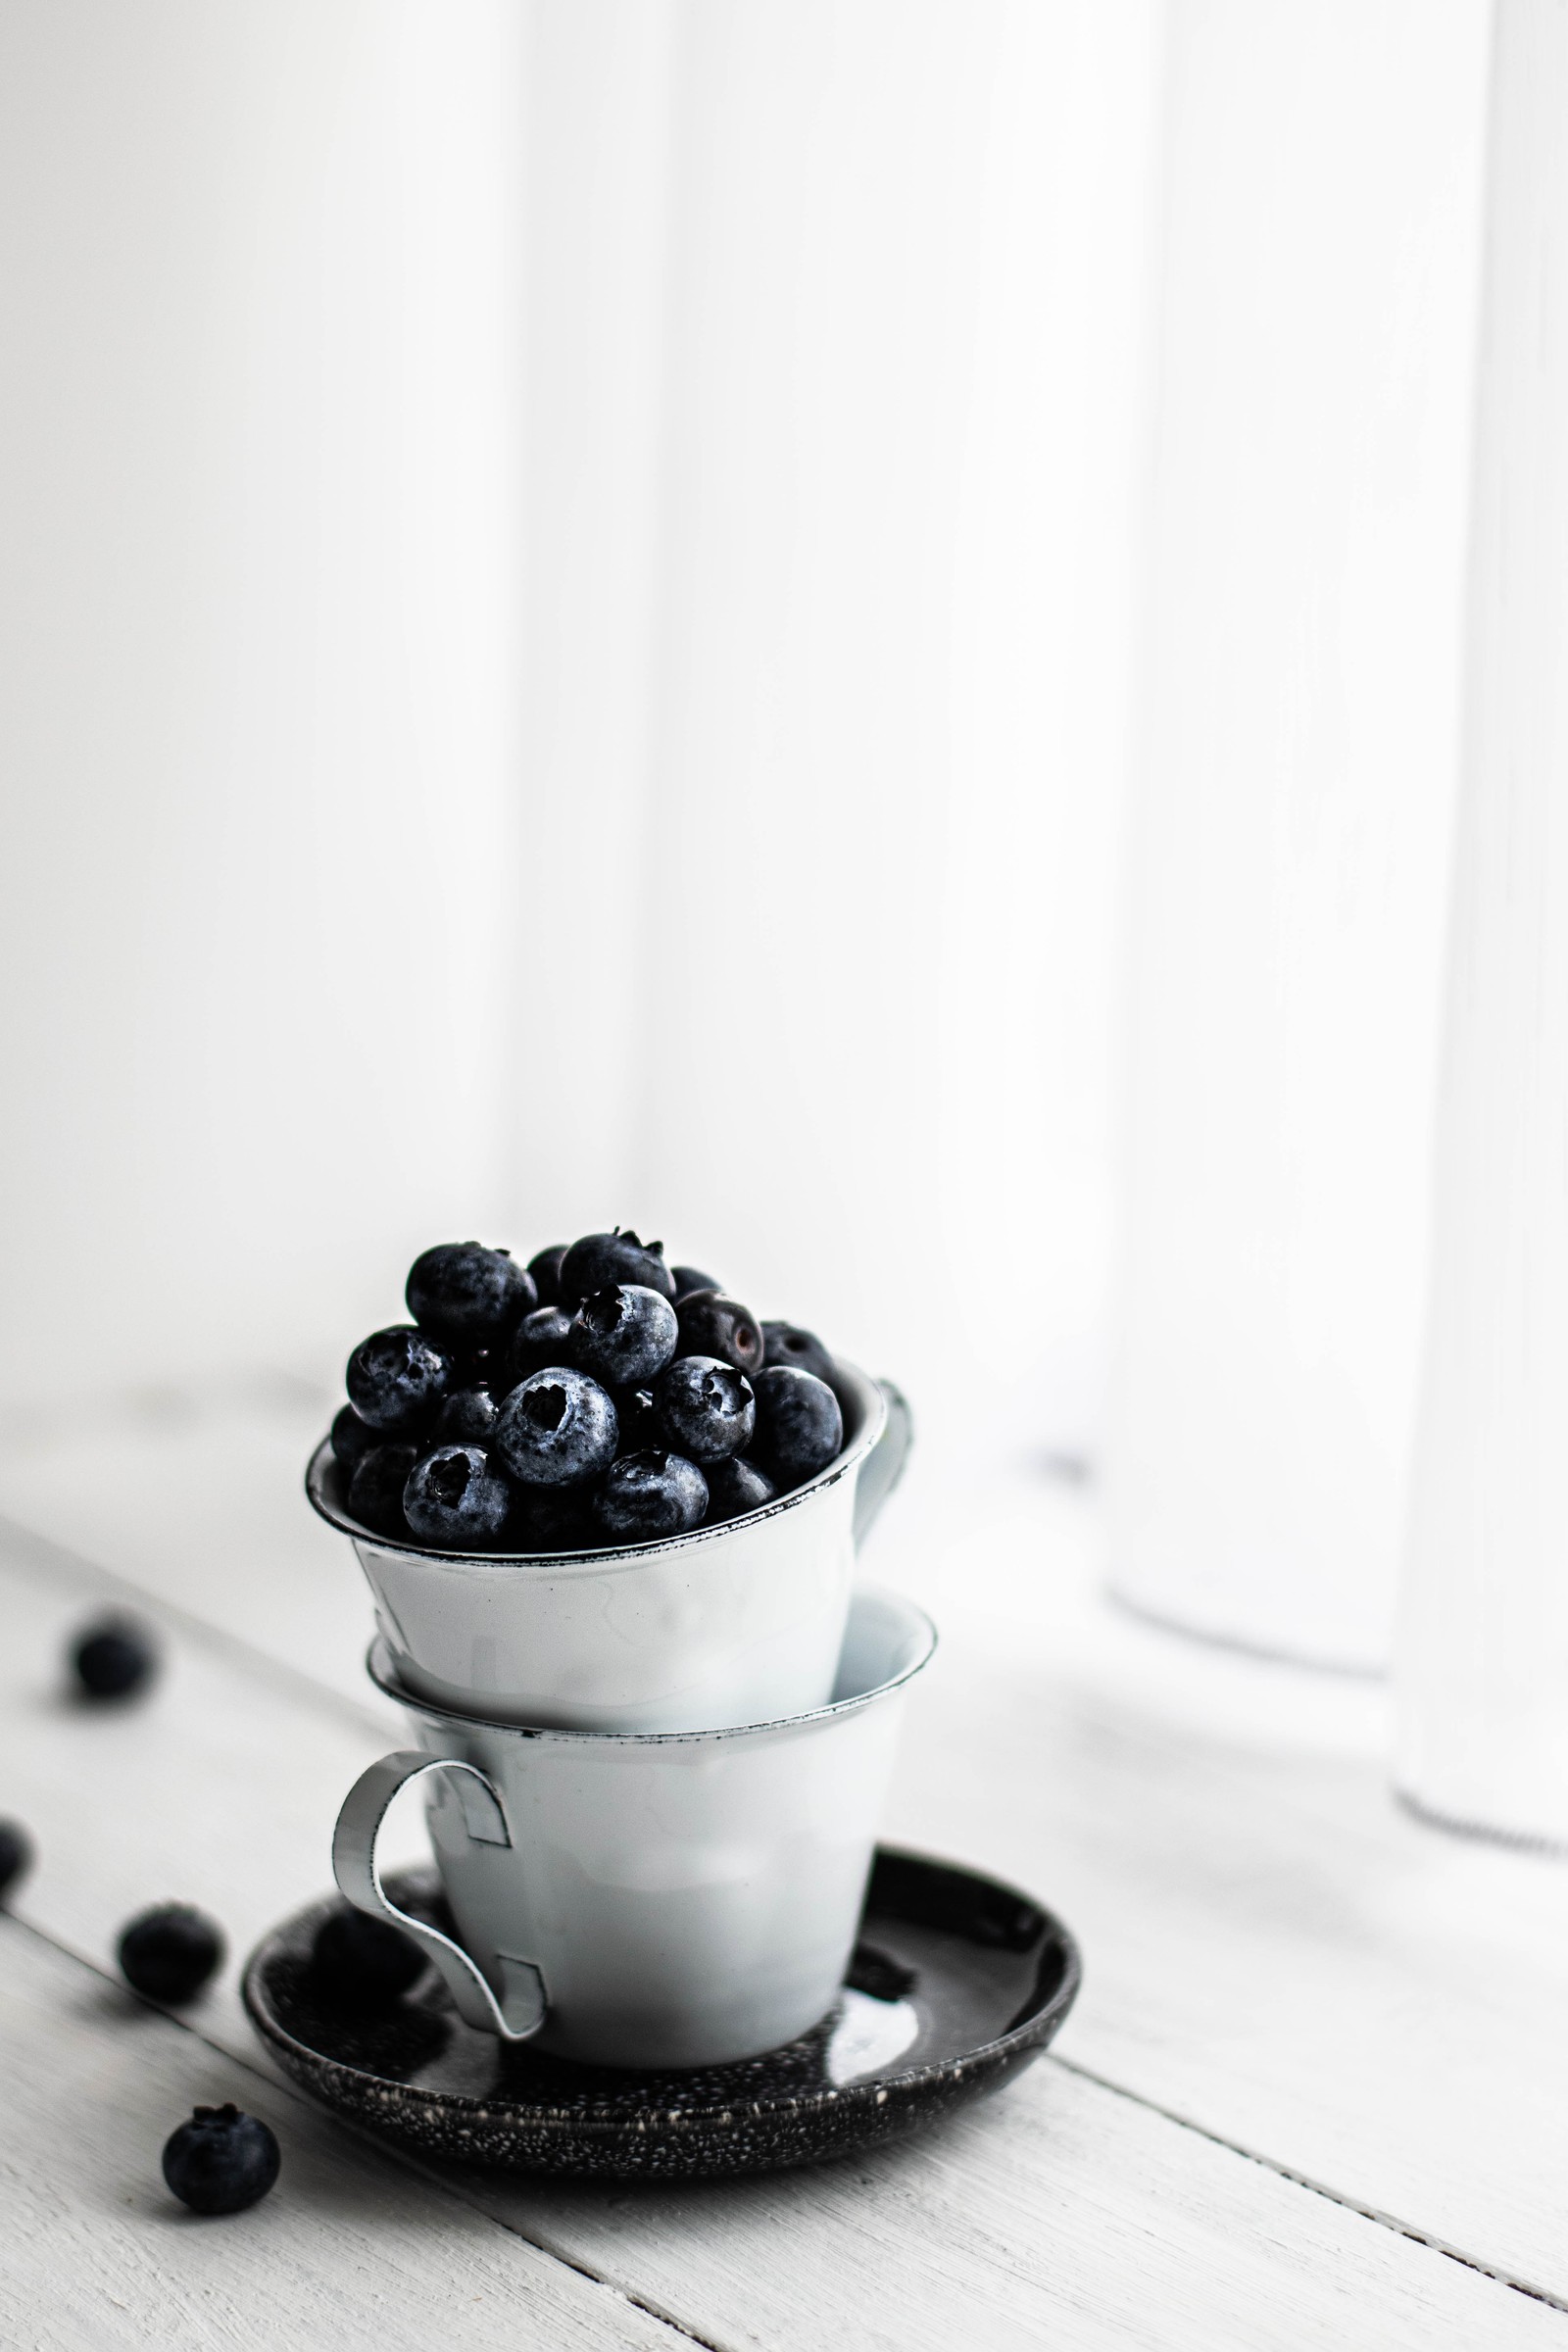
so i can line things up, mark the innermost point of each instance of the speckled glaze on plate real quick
(958, 1983)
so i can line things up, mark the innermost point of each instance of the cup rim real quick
(874, 1408)
(385, 1678)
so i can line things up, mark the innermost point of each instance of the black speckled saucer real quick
(957, 1983)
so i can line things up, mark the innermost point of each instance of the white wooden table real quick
(1315, 2091)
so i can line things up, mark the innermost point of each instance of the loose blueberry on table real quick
(221, 2160)
(15, 1855)
(593, 1397)
(170, 1952)
(113, 1658)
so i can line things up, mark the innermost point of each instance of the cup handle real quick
(883, 1466)
(519, 2009)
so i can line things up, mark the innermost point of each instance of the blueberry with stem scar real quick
(397, 1377)
(221, 2160)
(557, 1429)
(706, 1408)
(623, 1335)
(454, 1497)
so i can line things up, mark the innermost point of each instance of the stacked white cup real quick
(654, 1772)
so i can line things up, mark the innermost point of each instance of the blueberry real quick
(557, 1429)
(540, 1340)
(454, 1497)
(705, 1408)
(788, 1344)
(466, 1294)
(647, 1495)
(712, 1325)
(552, 1519)
(15, 1855)
(467, 1417)
(690, 1278)
(623, 1335)
(113, 1658)
(546, 1271)
(638, 1416)
(221, 2161)
(362, 1958)
(352, 1437)
(798, 1425)
(601, 1258)
(396, 1378)
(375, 1491)
(736, 1487)
(168, 1953)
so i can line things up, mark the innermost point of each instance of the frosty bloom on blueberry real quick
(469, 1295)
(623, 1335)
(453, 1497)
(706, 1407)
(593, 1397)
(559, 1429)
(397, 1377)
(648, 1495)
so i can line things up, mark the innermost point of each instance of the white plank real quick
(1059, 2211)
(1273, 1950)
(1059, 2215)
(349, 2249)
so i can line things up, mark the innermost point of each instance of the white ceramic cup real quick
(676, 1899)
(738, 1623)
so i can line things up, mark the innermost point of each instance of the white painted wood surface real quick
(1291, 818)
(349, 2248)
(1483, 1660)
(1275, 1955)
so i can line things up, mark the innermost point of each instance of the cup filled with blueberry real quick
(595, 1493)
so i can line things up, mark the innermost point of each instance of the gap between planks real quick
(52, 1563)
(1316, 2188)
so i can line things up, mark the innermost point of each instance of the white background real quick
(576, 600)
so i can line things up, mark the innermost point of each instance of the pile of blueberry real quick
(595, 1397)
